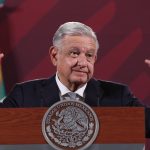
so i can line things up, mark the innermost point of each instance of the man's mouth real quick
(79, 71)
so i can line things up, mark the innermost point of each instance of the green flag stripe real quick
(2, 1)
(2, 90)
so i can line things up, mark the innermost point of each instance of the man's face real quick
(74, 60)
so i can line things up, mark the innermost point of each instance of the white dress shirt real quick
(64, 90)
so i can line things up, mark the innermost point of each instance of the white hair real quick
(74, 29)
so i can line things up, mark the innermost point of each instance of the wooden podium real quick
(117, 125)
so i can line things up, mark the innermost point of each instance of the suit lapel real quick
(93, 93)
(50, 92)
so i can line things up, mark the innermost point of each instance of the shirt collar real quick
(63, 89)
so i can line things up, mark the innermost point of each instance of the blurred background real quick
(122, 27)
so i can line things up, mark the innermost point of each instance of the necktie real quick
(72, 96)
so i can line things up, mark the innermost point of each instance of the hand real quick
(1, 56)
(147, 61)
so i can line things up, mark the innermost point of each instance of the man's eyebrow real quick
(91, 51)
(74, 48)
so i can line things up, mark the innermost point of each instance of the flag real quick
(2, 3)
(2, 88)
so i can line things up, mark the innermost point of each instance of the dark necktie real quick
(72, 96)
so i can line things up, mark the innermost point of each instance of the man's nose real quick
(82, 60)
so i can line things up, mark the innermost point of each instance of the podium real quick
(118, 125)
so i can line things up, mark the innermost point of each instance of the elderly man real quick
(74, 53)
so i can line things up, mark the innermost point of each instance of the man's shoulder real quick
(105, 84)
(36, 82)
(110, 88)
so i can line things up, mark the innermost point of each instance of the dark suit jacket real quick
(45, 92)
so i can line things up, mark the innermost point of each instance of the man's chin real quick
(80, 81)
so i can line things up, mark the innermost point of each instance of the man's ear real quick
(95, 58)
(53, 51)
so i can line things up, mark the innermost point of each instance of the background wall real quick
(122, 27)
